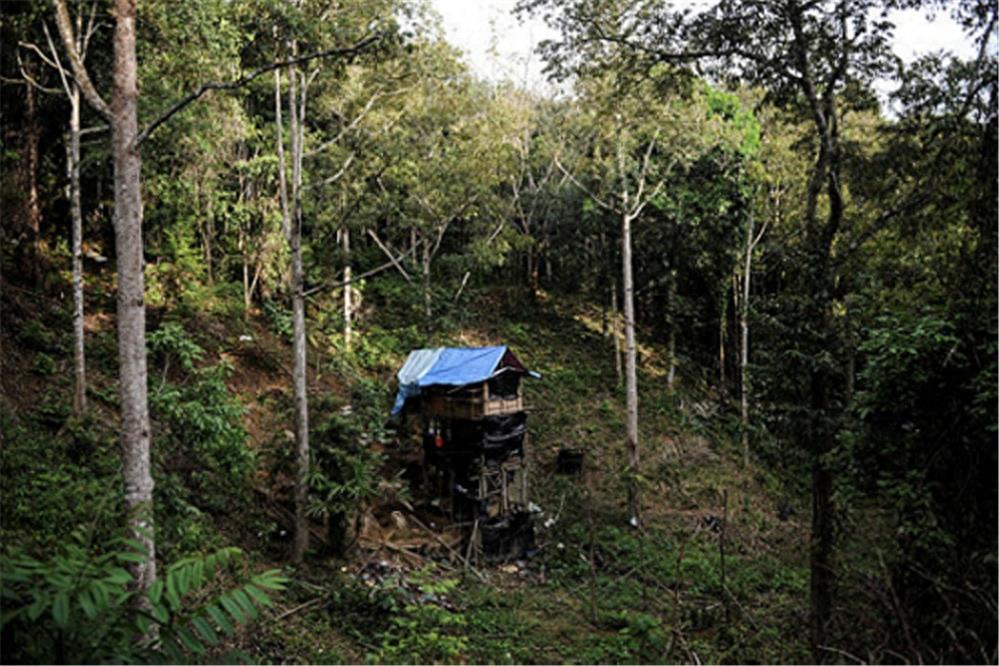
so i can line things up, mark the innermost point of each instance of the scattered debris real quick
(713, 522)
(569, 461)
(784, 511)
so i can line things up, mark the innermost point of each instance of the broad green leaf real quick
(205, 630)
(118, 577)
(244, 602)
(156, 591)
(190, 641)
(233, 608)
(131, 557)
(87, 604)
(259, 595)
(60, 609)
(220, 619)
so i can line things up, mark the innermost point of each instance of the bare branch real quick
(65, 26)
(356, 121)
(91, 29)
(344, 283)
(468, 274)
(641, 204)
(58, 64)
(32, 47)
(30, 80)
(600, 202)
(94, 130)
(335, 177)
(759, 236)
(388, 253)
(645, 168)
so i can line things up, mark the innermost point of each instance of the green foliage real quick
(36, 336)
(744, 124)
(279, 318)
(424, 630)
(346, 470)
(342, 481)
(206, 419)
(78, 606)
(43, 364)
(170, 343)
(62, 482)
(202, 433)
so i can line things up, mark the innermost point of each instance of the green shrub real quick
(425, 631)
(200, 423)
(278, 318)
(43, 365)
(35, 336)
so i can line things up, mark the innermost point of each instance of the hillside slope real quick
(688, 586)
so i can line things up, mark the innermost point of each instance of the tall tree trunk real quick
(532, 271)
(298, 318)
(630, 364)
(32, 132)
(76, 214)
(282, 178)
(428, 312)
(821, 547)
(28, 215)
(616, 334)
(631, 373)
(722, 324)
(823, 432)
(244, 258)
(131, 317)
(671, 324)
(348, 304)
(247, 298)
(206, 234)
(135, 435)
(747, 274)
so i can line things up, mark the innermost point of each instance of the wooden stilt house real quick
(470, 405)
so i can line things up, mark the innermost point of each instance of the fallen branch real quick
(450, 549)
(301, 607)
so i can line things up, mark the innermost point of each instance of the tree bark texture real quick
(282, 177)
(135, 433)
(76, 214)
(348, 304)
(631, 371)
(821, 547)
(32, 206)
(744, 343)
(428, 307)
(618, 370)
(671, 326)
(298, 318)
(722, 325)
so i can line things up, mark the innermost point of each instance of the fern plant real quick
(79, 607)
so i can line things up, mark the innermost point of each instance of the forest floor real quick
(688, 586)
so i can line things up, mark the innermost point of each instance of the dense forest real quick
(750, 250)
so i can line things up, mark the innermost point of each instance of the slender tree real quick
(637, 185)
(122, 114)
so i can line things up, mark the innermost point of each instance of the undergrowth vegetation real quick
(597, 591)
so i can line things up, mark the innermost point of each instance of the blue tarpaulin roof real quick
(452, 366)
